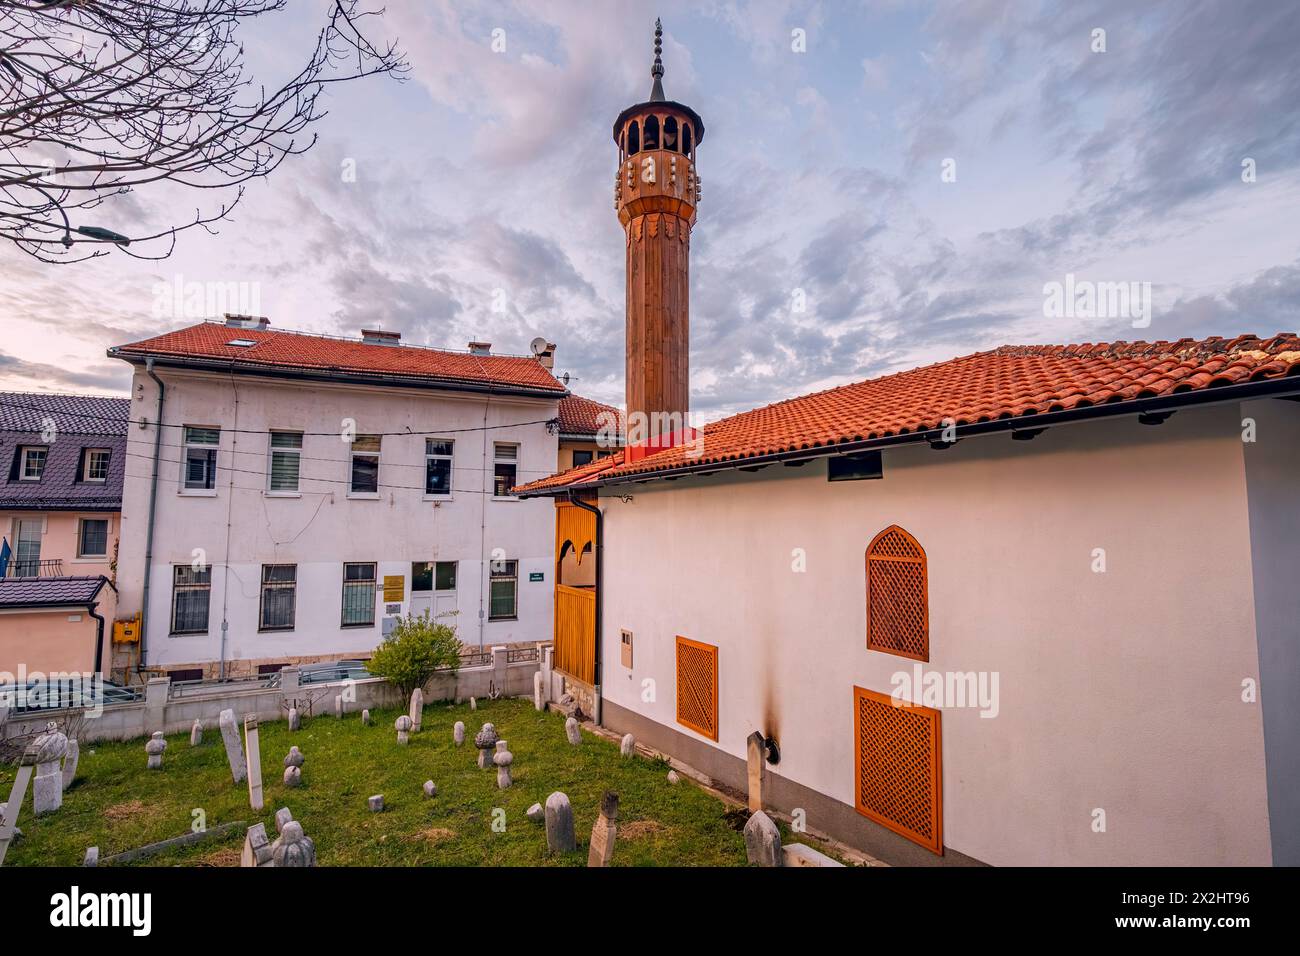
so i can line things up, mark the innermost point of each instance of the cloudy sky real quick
(482, 200)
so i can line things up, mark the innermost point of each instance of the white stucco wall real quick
(1117, 690)
(324, 528)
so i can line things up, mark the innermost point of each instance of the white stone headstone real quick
(47, 787)
(627, 746)
(762, 840)
(539, 698)
(254, 757)
(417, 709)
(155, 748)
(70, 762)
(458, 733)
(559, 824)
(234, 748)
(196, 733)
(572, 731)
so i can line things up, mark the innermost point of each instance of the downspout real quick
(99, 640)
(600, 581)
(153, 504)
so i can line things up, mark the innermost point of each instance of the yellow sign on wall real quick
(394, 587)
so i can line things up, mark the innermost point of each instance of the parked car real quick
(327, 672)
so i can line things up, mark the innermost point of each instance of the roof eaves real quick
(1275, 387)
(314, 373)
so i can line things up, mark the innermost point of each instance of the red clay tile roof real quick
(1010, 382)
(277, 349)
(581, 416)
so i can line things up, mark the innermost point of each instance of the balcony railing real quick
(52, 568)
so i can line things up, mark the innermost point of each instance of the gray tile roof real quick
(50, 592)
(80, 422)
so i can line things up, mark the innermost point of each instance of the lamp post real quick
(98, 233)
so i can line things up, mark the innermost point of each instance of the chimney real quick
(380, 337)
(547, 356)
(480, 348)
(236, 321)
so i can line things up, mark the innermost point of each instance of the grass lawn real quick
(117, 804)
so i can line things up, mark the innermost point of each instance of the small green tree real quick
(416, 648)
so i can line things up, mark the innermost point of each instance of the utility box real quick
(127, 631)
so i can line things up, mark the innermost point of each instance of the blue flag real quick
(5, 554)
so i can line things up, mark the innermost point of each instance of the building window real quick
(505, 468)
(31, 463)
(285, 464)
(92, 538)
(95, 465)
(27, 555)
(898, 614)
(185, 675)
(504, 591)
(365, 465)
(279, 596)
(437, 467)
(697, 687)
(581, 457)
(358, 595)
(191, 590)
(444, 576)
(201, 458)
(898, 767)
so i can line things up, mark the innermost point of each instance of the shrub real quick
(416, 648)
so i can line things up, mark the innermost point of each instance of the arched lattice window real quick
(633, 138)
(898, 599)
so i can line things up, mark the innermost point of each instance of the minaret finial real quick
(657, 71)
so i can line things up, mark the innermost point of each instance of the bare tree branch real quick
(101, 97)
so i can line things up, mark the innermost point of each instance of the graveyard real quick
(118, 802)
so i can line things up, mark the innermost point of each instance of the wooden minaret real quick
(656, 192)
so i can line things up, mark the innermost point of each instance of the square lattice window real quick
(697, 687)
(897, 766)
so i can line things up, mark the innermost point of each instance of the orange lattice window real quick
(697, 687)
(897, 767)
(898, 601)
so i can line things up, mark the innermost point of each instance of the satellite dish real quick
(538, 345)
(565, 379)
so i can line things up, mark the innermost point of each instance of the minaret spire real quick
(657, 71)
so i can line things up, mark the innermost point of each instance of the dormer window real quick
(31, 462)
(94, 465)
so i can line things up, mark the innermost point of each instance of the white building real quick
(1104, 617)
(310, 489)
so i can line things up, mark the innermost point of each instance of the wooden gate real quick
(575, 605)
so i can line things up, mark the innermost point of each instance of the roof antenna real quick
(657, 71)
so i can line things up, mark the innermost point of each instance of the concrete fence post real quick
(552, 683)
(500, 656)
(289, 683)
(156, 692)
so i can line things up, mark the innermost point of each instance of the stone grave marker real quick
(234, 749)
(254, 758)
(601, 850)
